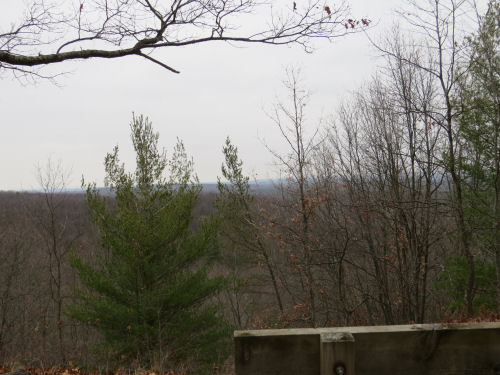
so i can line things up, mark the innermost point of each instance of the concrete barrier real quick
(420, 349)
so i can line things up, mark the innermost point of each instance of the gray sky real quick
(222, 91)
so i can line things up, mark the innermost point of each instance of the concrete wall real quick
(444, 349)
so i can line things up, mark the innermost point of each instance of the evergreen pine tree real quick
(479, 137)
(149, 292)
(242, 236)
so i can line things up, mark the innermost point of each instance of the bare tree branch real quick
(80, 29)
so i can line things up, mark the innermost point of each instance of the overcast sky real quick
(222, 91)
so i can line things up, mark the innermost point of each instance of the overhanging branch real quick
(137, 27)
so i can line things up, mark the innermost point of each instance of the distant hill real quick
(264, 186)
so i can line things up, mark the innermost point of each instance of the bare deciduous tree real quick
(297, 202)
(441, 26)
(58, 236)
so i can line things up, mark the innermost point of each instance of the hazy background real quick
(222, 91)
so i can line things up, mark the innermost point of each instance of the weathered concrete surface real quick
(337, 352)
(281, 353)
(428, 349)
